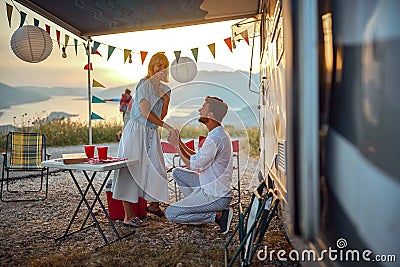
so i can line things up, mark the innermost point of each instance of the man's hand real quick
(173, 138)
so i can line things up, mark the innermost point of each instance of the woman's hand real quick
(168, 127)
(173, 138)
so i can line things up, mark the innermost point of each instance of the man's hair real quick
(127, 91)
(217, 106)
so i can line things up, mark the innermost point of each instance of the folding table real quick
(94, 168)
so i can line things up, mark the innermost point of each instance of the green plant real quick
(66, 132)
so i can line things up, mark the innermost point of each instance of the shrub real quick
(66, 132)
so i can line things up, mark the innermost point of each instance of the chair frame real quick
(8, 167)
(250, 233)
(235, 149)
(167, 148)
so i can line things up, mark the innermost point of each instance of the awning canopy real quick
(87, 18)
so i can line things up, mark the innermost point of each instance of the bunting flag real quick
(95, 99)
(96, 83)
(228, 42)
(58, 37)
(86, 48)
(245, 36)
(9, 13)
(177, 55)
(195, 52)
(95, 46)
(94, 116)
(86, 67)
(76, 46)
(127, 52)
(110, 51)
(95, 52)
(212, 49)
(143, 55)
(23, 17)
(66, 40)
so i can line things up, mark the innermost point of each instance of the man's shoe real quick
(224, 221)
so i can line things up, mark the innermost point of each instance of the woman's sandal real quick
(158, 212)
(135, 222)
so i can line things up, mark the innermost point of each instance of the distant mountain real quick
(17, 95)
(245, 117)
(30, 94)
(231, 86)
(58, 116)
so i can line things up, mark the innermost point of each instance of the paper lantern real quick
(183, 70)
(31, 44)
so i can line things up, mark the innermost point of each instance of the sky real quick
(68, 72)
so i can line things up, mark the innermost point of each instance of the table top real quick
(58, 163)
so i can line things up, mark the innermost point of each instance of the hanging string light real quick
(64, 54)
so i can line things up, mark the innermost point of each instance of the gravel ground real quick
(28, 229)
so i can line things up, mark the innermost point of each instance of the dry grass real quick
(28, 231)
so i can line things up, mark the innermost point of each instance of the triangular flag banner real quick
(97, 84)
(9, 13)
(48, 29)
(110, 51)
(76, 46)
(86, 48)
(177, 55)
(66, 40)
(58, 37)
(127, 52)
(228, 42)
(195, 52)
(23, 17)
(95, 46)
(143, 55)
(86, 67)
(94, 116)
(95, 99)
(245, 36)
(95, 52)
(36, 22)
(212, 49)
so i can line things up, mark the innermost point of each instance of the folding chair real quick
(24, 153)
(235, 148)
(252, 226)
(167, 148)
(201, 141)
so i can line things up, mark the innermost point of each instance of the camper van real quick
(329, 122)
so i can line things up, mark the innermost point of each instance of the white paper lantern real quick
(184, 70)
(31, 44)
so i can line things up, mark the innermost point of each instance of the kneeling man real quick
(207, 192)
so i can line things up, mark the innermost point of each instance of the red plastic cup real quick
(102, 152)
(89, 150)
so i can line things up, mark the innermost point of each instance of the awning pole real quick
(89, 92)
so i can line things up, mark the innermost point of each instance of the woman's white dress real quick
(141, 141)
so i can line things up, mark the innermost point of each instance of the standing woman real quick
(141, 141)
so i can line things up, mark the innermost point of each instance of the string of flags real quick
(127, 53)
